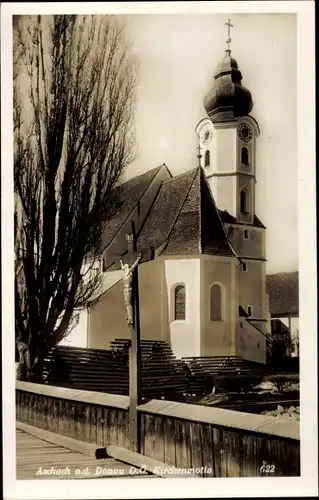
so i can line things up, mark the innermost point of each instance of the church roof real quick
(131, 192)
(165, 210)
(227, 218)
(184, 219)
(283, 290)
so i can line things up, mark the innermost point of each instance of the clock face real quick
(207, 136)
(245, 132)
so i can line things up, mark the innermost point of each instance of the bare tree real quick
(74, 88)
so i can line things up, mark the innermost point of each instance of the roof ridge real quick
(143, 173)
(182, 204)
(150, 209)
(180, 175)
(282, 273)
(135, 204)
(203, 176)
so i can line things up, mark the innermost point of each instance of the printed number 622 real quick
(267, 468)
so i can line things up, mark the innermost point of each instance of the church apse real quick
(184, 319)
(217, 327)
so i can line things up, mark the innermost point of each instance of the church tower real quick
(227, 141)
(227, 153)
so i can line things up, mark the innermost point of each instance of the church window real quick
(250, 310)
(216, 303)
(244, 201)
(207, 158)
(180, 302)
(246, 234)
(245, 267)
(244, 156)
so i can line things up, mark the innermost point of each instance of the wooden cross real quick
(135, 350)
(228, 39)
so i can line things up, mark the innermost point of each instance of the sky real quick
(177, 57)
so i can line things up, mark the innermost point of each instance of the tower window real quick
(244, 201)
(245, 267)
(216, 303)
(244, 156)
(180, 302)
(246, 234)
(207, 158)
(250, 310)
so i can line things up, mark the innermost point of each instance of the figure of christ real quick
(127, 279)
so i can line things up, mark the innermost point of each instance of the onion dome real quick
(228, 99)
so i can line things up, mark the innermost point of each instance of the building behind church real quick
(202, 276)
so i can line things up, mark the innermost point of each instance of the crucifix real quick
(228, 39)
(199, 156)
(131, 297)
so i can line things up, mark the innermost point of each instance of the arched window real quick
(216, 303)
(244, 156)
(180, 302)
(207, 158)
(244, 201)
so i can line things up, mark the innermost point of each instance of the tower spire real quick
(227, 99)
(228, 39)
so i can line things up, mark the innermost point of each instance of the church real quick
(202, 273)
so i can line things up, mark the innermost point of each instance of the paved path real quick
(37, 458)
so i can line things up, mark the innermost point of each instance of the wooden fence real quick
(215, 442)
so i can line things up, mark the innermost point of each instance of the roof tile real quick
(198, 227)
(130, 193)
(164, 211)
(283, 290)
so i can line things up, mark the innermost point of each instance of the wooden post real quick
(135, 351)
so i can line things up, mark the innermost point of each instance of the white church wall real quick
(226, 148)
(251, 343)
(252, 288)
(218, 337)
(252, 245)
(221, 187)
(78, 337)
(107, 318)
(247, 183)
(184, 334)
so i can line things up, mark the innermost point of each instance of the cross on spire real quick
(199, 156)
(228, 39)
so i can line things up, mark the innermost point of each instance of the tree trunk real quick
(24, 362)
(30, 366)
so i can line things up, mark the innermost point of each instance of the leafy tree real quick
(74, 88)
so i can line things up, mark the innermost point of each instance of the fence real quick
(163, 375)
(216, 442)
(108, 370)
